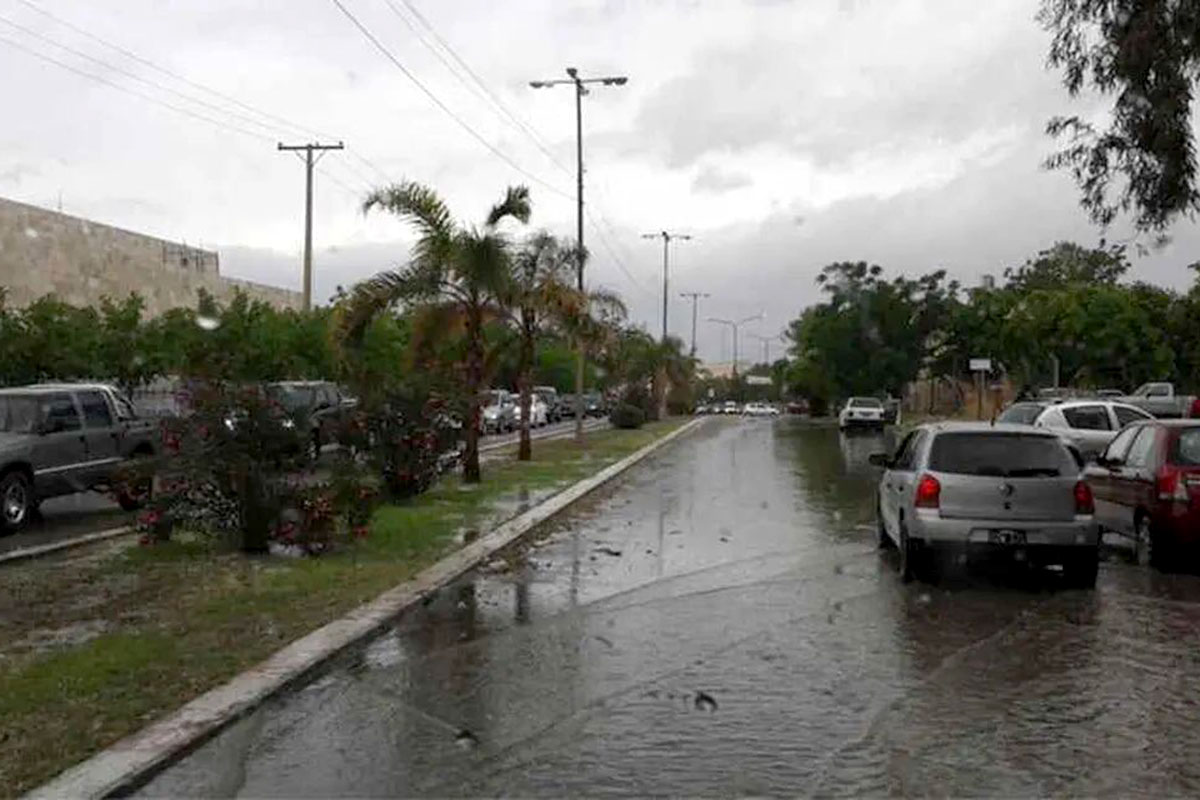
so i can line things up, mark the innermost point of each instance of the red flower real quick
(360, 531)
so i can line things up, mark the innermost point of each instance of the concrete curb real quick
(66, 544)
(130, 762)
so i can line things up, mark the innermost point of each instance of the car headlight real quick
(229, 423)
(289, 423)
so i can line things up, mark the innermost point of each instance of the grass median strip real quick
(94, 646)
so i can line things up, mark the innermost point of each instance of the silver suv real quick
(956, 490)
(58, 439)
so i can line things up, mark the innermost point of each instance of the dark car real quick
(594, 405)
(1147, 489)
(58, 439)
(320, 408)
(555, 410)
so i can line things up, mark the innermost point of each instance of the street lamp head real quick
(618, 81)
(538, 84)
(572, 72)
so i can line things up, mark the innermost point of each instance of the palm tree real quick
(541, 295)
(461, 270)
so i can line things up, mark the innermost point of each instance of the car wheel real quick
(885, 541)
(1081, 570)
(16, 501)
(908, 557)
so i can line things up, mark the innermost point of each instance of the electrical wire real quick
(288, 127)
(476, 84)
(438, 102)
(613, 255)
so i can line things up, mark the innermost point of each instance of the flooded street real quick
(720, 621)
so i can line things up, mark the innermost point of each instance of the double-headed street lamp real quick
(667, 236)
(735, 324)
(580, 85)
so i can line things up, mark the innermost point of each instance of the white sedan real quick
(861, 412)
(760, 410)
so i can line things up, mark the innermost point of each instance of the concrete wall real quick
(42, 251)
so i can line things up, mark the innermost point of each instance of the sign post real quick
(980, 366)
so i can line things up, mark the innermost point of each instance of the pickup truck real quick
(58, 439)
(1161, 401)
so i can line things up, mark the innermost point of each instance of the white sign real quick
(758, 380)
(981, 365)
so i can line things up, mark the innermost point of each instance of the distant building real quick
(987, 282)
(80, 261)
(718, 369)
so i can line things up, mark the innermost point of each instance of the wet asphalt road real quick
(721, 622)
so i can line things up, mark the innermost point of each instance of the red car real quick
(1147, 490)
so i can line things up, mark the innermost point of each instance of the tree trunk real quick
(471, 471)
(524, 368)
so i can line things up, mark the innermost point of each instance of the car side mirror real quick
(880, 460)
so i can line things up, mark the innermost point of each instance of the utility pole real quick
(580, 85)
(735, 324)
(309, 163)
(695, 298)
(667, 236)
(766, 343)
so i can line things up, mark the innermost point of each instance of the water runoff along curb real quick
(133, 760)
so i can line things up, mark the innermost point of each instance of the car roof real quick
(44, 388)
(1091, 401)
(1172, 423)
(956, 426)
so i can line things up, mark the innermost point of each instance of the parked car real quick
(1160, 400)
(861, 412)
(58, 439)
(555, 410)
(954, 491)
(760, 410)
(539, 414)
(499, 411)
(798, 406)
(891, 411)
(319, 408)
(1089, 424)
(730, 407)
(1147, 489)
(594, 405)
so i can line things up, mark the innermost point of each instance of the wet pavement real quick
(65, 518)
(721, 622)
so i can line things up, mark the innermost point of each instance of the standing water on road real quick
(720, 621)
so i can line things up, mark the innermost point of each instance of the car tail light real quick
(1084, 502)
(929, 492)
(1170, 485)
(1195, 410)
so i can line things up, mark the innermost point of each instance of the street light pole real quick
(695, 298)
(735, 324)
(580, 90)
(667, 236)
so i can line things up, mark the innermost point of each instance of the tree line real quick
(1069, 305)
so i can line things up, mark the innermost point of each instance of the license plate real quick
(1005, 536)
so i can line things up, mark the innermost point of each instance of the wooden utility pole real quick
(309, 163)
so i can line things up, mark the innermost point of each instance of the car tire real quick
(16, 501)
(909, 555)
(1080, 571)
(885, 541)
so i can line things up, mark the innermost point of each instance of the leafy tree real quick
(1145, 54)
(460, 269)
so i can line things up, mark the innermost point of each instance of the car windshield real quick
(18, 414)
(293, 398)
(1187, 448)
(865, 402)
(1008, 455)
(1021, 413)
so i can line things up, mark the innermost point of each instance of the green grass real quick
(184, 617)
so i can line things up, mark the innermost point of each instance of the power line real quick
(438, 102)
(289, 127)
(616, 258)
(480, 88)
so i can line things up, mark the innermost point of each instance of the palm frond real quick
(515, 204)
(371, 297)
(420, 205)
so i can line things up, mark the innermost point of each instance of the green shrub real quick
(627, 415)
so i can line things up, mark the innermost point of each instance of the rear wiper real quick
(1034, 472)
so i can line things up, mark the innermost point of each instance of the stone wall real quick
(80, 261)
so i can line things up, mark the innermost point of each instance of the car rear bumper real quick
(862, 422)
(1080, 532)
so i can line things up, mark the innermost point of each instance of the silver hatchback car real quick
(957, 490)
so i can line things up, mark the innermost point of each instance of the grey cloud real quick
(343, 265)
(716, 180)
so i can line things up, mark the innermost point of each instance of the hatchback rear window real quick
(1005, 455)
(1021, 413)
(865, 402)
(1187, 448)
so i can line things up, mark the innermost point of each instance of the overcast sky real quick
(781, 135)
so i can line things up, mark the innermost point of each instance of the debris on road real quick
(705, 701)
(609, 551)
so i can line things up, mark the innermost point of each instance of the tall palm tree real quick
(463, 270)
(541, 296)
